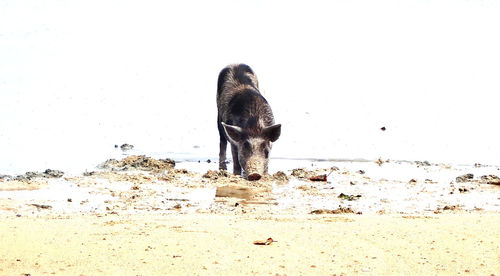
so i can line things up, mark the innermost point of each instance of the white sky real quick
(79, 75)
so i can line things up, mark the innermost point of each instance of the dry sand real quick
(140, 216)
(205, 244)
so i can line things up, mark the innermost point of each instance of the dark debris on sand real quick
(491, 179)
(340, 210)
(48, 173)
(316, 175)
(138, 162)
(280, 176)
(464, 178)
(216, 174)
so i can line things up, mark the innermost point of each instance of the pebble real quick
(126, 147)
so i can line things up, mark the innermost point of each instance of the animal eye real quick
(263, 146)
(246, 145)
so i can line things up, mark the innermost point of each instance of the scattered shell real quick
(321, 177)
(266, 242)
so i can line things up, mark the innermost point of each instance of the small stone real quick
(126, 147)
(463, 190)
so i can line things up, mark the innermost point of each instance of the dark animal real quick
(245, 120)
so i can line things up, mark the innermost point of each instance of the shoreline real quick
(143, 184)
(144, 216)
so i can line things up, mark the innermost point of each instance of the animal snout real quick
(254, 177)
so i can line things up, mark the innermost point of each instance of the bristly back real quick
(250, 111)
(223, 75)
(243, 74)
(237, 75)
(239, 101)
(246, 102)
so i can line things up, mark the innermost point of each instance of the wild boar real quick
(246, 120)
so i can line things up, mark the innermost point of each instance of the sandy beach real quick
(146, 216)
(386, 160)
(204, 244)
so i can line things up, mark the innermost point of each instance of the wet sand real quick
(143, 216)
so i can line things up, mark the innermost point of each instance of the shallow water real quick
(393, 187)
(71, 88)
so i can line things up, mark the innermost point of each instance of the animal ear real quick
(234, 133)
(272, 132)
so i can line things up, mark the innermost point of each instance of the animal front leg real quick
(222, 147)
(236, 161)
